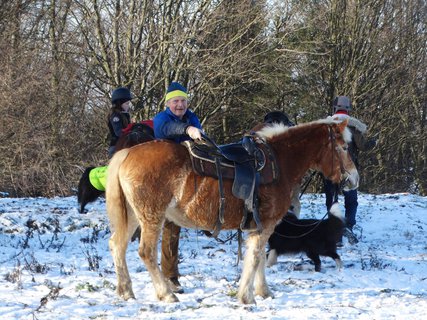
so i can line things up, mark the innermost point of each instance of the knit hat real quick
(175, 89)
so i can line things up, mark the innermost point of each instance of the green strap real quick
(98, 177)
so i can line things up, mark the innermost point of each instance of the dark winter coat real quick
(169, 126)
(116, 123)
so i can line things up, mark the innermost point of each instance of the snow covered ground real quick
(55, 264)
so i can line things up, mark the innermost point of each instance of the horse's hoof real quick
(247, 300)
(266, 294)
(174, 285)
(169, 298)
(126, 295)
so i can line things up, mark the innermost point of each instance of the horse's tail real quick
(115, 198)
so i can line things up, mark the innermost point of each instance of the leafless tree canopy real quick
(60, 60)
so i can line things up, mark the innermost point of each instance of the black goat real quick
(314, 237)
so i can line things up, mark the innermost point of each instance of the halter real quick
(334, 145)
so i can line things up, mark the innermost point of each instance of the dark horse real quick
(134, 134)
(155, 181)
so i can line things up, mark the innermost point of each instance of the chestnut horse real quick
(155, 180)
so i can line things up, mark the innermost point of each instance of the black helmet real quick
(278, 117)
(121, 94)
(342, 103)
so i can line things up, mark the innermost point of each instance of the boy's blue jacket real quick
(169, 126)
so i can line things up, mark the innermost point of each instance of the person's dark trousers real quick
(170, 242)
(350, 201)
(350, 204)
(331, 193)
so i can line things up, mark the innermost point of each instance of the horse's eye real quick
(345, 147)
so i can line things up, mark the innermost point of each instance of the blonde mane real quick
(273, 130)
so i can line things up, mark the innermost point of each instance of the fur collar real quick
(352, 122)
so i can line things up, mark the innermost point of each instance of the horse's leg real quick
(169, 259)
(261, 287)
(253, 257)
(148, 252)
(272, 258)
(118, 245)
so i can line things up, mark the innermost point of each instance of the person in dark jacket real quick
(178, 124)
(342, 108)
(118, 117)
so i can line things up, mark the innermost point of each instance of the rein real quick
(315, 224)
(306, 184)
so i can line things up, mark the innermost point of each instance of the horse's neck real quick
(299, 149)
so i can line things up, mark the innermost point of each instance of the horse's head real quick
(335, 162)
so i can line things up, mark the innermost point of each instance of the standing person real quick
(342, 108)
(176, 123)
(118, 117)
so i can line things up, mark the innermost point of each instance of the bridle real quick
(335, 146)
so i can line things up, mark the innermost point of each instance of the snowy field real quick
(55, 264)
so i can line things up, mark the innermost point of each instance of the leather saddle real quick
(249, 163)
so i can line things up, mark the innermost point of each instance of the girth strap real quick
(220, 220)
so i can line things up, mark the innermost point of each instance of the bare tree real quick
(61, 59)
(370, 51)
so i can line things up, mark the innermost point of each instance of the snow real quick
(55, 264)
